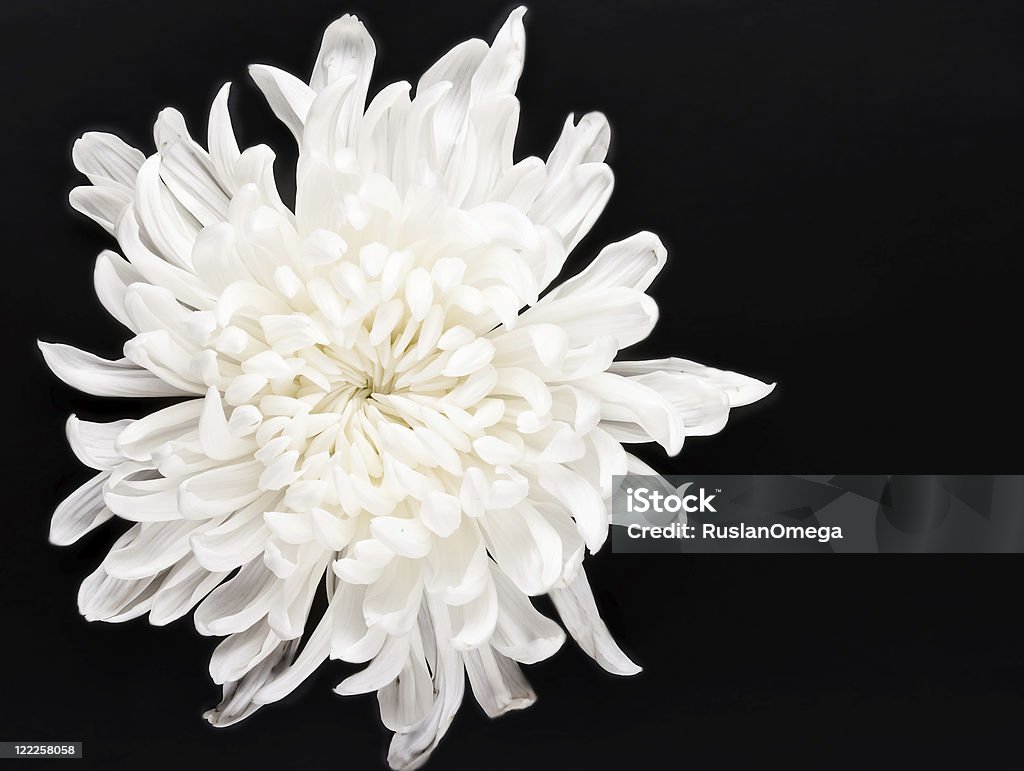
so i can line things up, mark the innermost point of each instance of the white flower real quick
(376, 398)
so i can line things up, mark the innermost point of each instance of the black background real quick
(841, 188)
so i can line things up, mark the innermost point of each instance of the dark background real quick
(841, 188)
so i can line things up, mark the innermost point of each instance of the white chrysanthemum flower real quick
(376, 398)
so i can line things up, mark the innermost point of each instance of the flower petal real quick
(628, 405)
(408, 699)
(525, 546)
(221, 490)
(627, 316)
(217, 440)
(188, 171)
(111, 279)
(475, 619)
(571, 206)
(101, 377)
(221, 139)
(236, 541)
(411, 748)
(522, 633)
(185, 585)
(633, 263)
(94, 443)
(240, 652)
(740, 389)
(106, 160)
(237, 604)
(579, 613)
(498, 683)
(704, 409)
(498, 73)
(168, 226)
(104, 598)
(238, 702)
(347, 51)
(80, 512)
(287, 96)
(382, 670)
(103, 205)
(457, 67)
(313, 654)
(158, 546)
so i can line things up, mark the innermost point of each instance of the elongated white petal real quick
(411, 748)
(238, 702)
(626, 402)
(475, 620)
(408, 699)
(571, 207)
(214, 435)
(498, 683)
(102, 377)
(147, 500)
(521, 632)
(500, 69)
(223, 146)
(583, 142)
(103, 205)
(158, 546)
(347, 51)
(80, 512)
(457, 67)
(627, 316)
(236, 541)
(525, 547)
(220, 490)
(287, 96)
(184, 586)
(106, 160)
(95, 443)
(111, 279)
(161, 217)
(579, 613)
(312, 655)
(155, 268)
(290, 608)
(588, 509)
(740, 389)
(382, 670)
(704, 409)
(240, 652)
(394, 601)
(188, 171)
(104, 598)
(139, 440)
(237, 604)
(631, 263)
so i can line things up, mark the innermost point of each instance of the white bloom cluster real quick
(377, 400)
